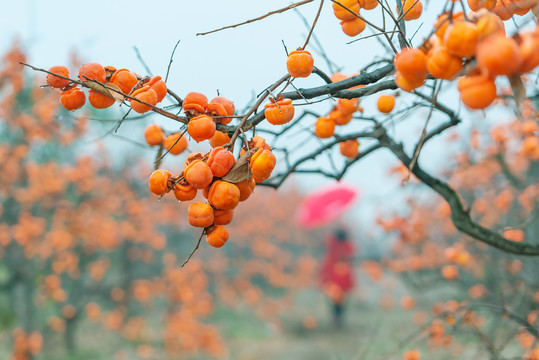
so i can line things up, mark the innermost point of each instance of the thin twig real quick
(122, 120)
(314, 24)
(370, 36)
(195, 249)
(253, 109)
(171, 59)
(419, 146)
(289, 7)
(168, 150)
(368, 23)
(139, 57)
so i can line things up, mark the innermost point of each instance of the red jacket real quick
(337, 267)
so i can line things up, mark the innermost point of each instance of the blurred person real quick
(336, 273)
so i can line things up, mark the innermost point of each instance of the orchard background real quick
(446, 224)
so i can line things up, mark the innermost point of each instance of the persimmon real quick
(368, 4)
(259, 142)
(347, 12)
(195, 103)
(300, 63)
(412, 355)
(109, 70)
(528, 127)
(443, 65)
(477, 91)
(338, 76)
(411, 63)
(489, 24)
(522, 10)
(279, 112)
(222, 217)
(73, 99)
(145, 94)
(201, 127)
(504, 9)
(159, 86)
(221, 106)
(461, 39)
(339, 118)
(407, 302)
(200, 215)
(246, 188)
(175, 146)
(125, 79)
(192, 157)
(450, 272)
(412, 9)
(385, 103)
(218, 236)
(99, 100)
(443, 23)
(347, 106)
(324, 127)
(184, 192)
(349, 148)
(499, 55)
(529, 43)
(55, 81)
(154, 135)
(353, 27)
(515, 235)
(198, 174)
(158, 182)
(530, 147)
(219, 139)
(475, 5)
(224, 195)
(262, 164)
(220, 161)
(93, 71)
(256, 142)
(407, 84)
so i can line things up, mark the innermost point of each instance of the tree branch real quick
(460, 217)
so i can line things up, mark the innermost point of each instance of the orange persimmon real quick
(279, 112)
(73, 99)
(55, 81)
(300, 63)
(201, 128)
(200, 215)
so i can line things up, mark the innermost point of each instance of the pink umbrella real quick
(326, 205)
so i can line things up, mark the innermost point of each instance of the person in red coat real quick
(336, 273)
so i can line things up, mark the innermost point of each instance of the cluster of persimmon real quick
(477, 40)
(144, 93)
(340, 115)
(203, 118)
(352, 23)
(223, 181)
